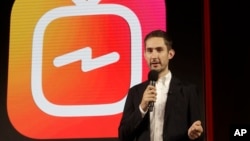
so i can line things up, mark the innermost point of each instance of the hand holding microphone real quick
(149, 96)
(152, 77)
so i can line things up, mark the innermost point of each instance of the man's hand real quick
(195, 130)
(148, 96)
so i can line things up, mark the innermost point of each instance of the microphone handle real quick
(151, 104)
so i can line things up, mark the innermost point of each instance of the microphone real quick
(152, 77)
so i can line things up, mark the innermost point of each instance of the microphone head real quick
(153, 75)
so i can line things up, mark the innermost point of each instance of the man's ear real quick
(171, 54)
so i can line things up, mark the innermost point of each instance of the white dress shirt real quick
(157, 115)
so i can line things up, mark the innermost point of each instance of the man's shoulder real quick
(182, 82)
(182, 85)
(140, 85)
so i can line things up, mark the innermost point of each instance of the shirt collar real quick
(165, 79)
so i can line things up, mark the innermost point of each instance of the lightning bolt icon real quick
(87, 62)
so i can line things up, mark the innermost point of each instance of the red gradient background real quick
(68, 85)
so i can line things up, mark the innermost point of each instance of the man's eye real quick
(149, 50)
(159, 49)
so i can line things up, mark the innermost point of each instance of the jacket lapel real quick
(171, 98)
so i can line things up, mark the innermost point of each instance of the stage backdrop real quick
(72, 62)
(66, 66)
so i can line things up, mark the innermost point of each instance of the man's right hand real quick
(149, 95)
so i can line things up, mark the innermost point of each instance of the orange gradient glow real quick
(69, 85)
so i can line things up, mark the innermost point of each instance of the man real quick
(176, 114)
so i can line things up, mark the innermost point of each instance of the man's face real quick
(157, 55)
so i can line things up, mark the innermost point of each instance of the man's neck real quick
(163, 73)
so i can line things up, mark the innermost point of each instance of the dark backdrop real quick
(230, 62)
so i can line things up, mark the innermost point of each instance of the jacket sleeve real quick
(131, 120)
(195, 107)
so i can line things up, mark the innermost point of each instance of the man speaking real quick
(165, 109)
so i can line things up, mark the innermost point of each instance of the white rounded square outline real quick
(83, 8)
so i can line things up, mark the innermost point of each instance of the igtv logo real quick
(71, 67)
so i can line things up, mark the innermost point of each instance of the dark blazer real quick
(182, 109)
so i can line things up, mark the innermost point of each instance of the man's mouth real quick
(154, 64)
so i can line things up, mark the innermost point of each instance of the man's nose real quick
(154, 54)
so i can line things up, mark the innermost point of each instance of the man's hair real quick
(162, 34)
